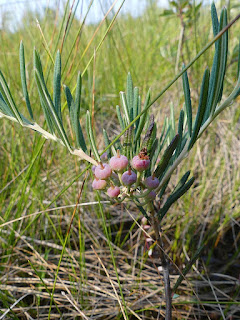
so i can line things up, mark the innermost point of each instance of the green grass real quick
(37, 254)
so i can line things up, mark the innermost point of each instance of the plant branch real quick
(164, 261)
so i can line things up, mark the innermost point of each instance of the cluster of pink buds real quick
(120, 174)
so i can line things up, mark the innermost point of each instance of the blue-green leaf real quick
(7, 97)
(57, 85)
(91, 137)
(23, 79)
(45, 96)
(201, 108)
(143, 117)
(188, 103)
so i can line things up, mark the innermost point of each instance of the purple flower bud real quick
(93, 168)
(151, 195)
(151, 182)
(113, 192)
(140, 164)
(118, 162)
(98, 184)
(129, 177)
(104, 156)
(103, 171)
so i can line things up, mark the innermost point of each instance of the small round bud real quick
(113, 192)
(129, 177)
(151, 195)
(140, 164)
(144, 221)
(151, 182)
(118, 162)
(104, 156)
(103, 171)
(98, 184)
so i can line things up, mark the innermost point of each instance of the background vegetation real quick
(40, 186)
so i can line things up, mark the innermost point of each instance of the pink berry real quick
(98, 184)
(129, 177)
(151, 195)
(151, 182)
(140, 164)
(103, 171)
(118, 162)
(113, 192)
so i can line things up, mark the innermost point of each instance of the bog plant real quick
(137, 165)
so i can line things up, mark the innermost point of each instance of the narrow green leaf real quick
(128, 142)
(120, 119)
(201, 108)
(47, 115)
(218, 68)
(135, 102)
(45, 96)
(141, 209)
(91, 137)
(78, 94)
(5, 108)
(138, 112)
(77, 107)
(182, 181)
(23, 79)
(57, 85)
(107, 142)
(215, 23)
(238, 69)
(174, 197)
(180, 132)
(71, 105)
(188, 103)
(37, 63)
(166, 157)
(7, 97)
(130, 95)
(143, 118)
(224, 54)
(161, 193)
(125, 107)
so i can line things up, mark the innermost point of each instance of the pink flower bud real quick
(103, 171)
(151, 182)
(129, 177)
(93, 168)
(113, 192)
(140, 164)
(118, 162)
(98, 184)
